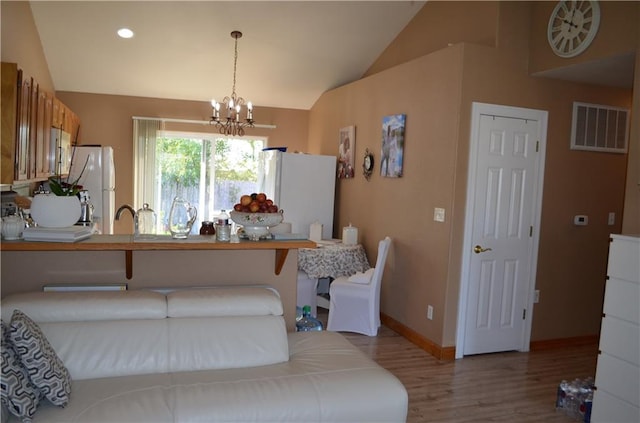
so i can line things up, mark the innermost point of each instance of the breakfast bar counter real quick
(129, 243)
(161, 262)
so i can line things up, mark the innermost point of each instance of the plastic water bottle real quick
(307, 322)
(223, 227)
(561, 396)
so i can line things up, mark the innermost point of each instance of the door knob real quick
(478, 249)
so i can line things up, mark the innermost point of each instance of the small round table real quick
(333, 260)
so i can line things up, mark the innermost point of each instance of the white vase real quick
(52, 211)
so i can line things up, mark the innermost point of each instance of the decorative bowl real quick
(256, 225)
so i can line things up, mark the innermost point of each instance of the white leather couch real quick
(202, 355)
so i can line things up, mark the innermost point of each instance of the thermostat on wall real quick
(580, 220)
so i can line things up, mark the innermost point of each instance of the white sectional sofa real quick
(202, 355)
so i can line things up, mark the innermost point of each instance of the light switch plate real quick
(438, 214)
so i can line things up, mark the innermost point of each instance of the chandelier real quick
(232, 123)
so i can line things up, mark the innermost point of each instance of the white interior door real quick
(503, 211)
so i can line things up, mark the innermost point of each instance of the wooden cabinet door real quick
(8, 111)
(43, 135)
(22, 142)
(72, 125)
(56, 114)
(33, 132)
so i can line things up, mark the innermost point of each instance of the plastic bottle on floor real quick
(307, 322)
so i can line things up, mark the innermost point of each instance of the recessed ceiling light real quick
(125, 33)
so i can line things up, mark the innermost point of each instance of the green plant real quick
(65, 188)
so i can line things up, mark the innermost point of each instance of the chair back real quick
(376, 278)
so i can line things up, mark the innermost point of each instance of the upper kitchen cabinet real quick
(8, 120)
(36, 129)
(45, 154)
(64, 118)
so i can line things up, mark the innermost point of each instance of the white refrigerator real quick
(99, 179)
(303, 185)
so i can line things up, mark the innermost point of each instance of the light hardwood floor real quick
(502, 387)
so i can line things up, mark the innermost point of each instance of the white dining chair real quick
(354, 302)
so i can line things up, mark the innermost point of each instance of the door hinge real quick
(530, 231)
(537, 146)
(524, 313)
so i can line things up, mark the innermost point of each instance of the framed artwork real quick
(346, 148)
(392, 155)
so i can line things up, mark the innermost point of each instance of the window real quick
(210, 171)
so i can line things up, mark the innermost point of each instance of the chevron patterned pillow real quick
(16, 390)
(46, 371)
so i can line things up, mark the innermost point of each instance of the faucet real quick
(123, 208)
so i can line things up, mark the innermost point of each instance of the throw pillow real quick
(47, 372)
(16, 390)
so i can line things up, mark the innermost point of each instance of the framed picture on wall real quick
(392, 155)
(346, 150)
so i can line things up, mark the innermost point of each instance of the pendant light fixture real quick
(232, 122)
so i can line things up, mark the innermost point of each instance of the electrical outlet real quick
(430, 312)
(438, 214)
(536, 296)
(612, 219)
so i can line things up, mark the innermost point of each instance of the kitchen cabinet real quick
(617, 397)
(30, 149)
(33, 130)
(66, 125)
(22, 139)
(45, 153)
(8, 119)
(64, 118)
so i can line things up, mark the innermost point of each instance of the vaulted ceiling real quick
(291, 51)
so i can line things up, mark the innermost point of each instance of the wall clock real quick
(573, 26)
(367, 164)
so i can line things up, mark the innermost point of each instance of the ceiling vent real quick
(599, 128)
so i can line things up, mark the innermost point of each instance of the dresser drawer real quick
(618, 377)
(622, 300)
(609, 409)
(623, 259)
(621, 339)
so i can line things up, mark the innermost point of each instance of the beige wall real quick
(107, 120)
(440, 24)
(572, 260)
(617, 34)
(427, 90)
(631, 223)
(435, 92)
(20, 42)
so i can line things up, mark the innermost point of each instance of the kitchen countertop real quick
(128, 244)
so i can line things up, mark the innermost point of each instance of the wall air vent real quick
(599, 128)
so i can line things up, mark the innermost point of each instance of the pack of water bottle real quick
(576, 398)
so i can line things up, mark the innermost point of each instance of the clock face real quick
(573, 26)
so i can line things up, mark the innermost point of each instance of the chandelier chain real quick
(235, 66)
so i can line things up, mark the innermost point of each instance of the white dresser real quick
(617, 397)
